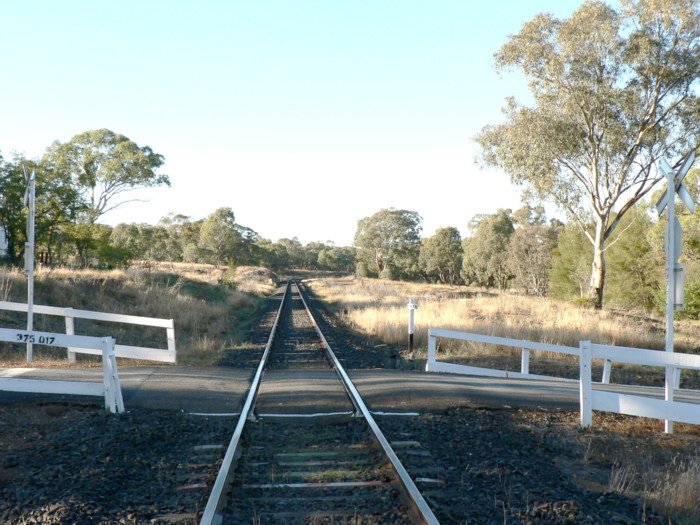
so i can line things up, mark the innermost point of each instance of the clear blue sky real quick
(261, 106)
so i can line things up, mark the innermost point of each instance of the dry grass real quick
(378, 308)
(208, 316)
(673, 489)
(252, 279)
(677, 491)
(247, 279)
(630, 456)
(206, 273)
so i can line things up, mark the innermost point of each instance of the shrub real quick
(361, 270)
(387, 274)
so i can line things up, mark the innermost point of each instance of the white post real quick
(585, 384)
(114, 402)
(607, 366)
(525, 361)
(671, 284)
(170, 333)
(30, 201)
(677, 378)
(110, 400)
(432, 349)
(70, 330)
(412, 306)
(116, 384)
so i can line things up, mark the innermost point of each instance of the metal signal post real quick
(30, 202)
(674, 270)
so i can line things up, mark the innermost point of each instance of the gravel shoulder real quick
(517, 466)
(77, 464)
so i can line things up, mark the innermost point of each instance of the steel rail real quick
(420, 506)
(211, 515)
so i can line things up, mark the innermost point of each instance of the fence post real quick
(677, 378)
(116, 384)
(668, 394)
(170, 333)
(110, 401)
(607, 366)
(432, 349)
(70, 330)
(525, 361)
(586, 389)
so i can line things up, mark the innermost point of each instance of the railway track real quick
(306, 449)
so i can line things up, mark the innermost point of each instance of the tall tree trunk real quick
(379, 262)
(597, 283)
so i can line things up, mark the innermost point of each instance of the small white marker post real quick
(30, 202)
(674, 270)
(412, 307)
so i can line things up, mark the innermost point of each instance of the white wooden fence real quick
(590, 399)
(110, 388)
(635, 405)
(433, 365)
(167, 355)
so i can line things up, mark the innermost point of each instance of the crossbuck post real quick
(674, 270)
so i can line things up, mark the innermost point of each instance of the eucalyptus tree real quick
(529, 255)
(219, 236)
(58, 204)
(613, 92)
(485, 259)
(389, 242)
(104, 165)
(441, 255)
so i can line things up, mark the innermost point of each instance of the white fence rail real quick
(433, 365)
(167, 355)
(634, 405)
(590, 399)
(110, 388)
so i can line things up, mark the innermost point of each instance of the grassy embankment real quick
(209, 314)
(378, 308)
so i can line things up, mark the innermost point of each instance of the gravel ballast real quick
(78, 464)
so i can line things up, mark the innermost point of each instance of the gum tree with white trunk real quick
(613, 91)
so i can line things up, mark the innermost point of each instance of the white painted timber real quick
(167, 355)
(585, 387)
(640, 356)
(46, 386)
(451, 368)
(110, 388)
(433, 365)
(646, 407)
(502, 341)
(636, 405)
(589, 400)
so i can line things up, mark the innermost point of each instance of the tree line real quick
(524, 252)
(218, 239)
(79, 181)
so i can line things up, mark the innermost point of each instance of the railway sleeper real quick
(375, 503)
